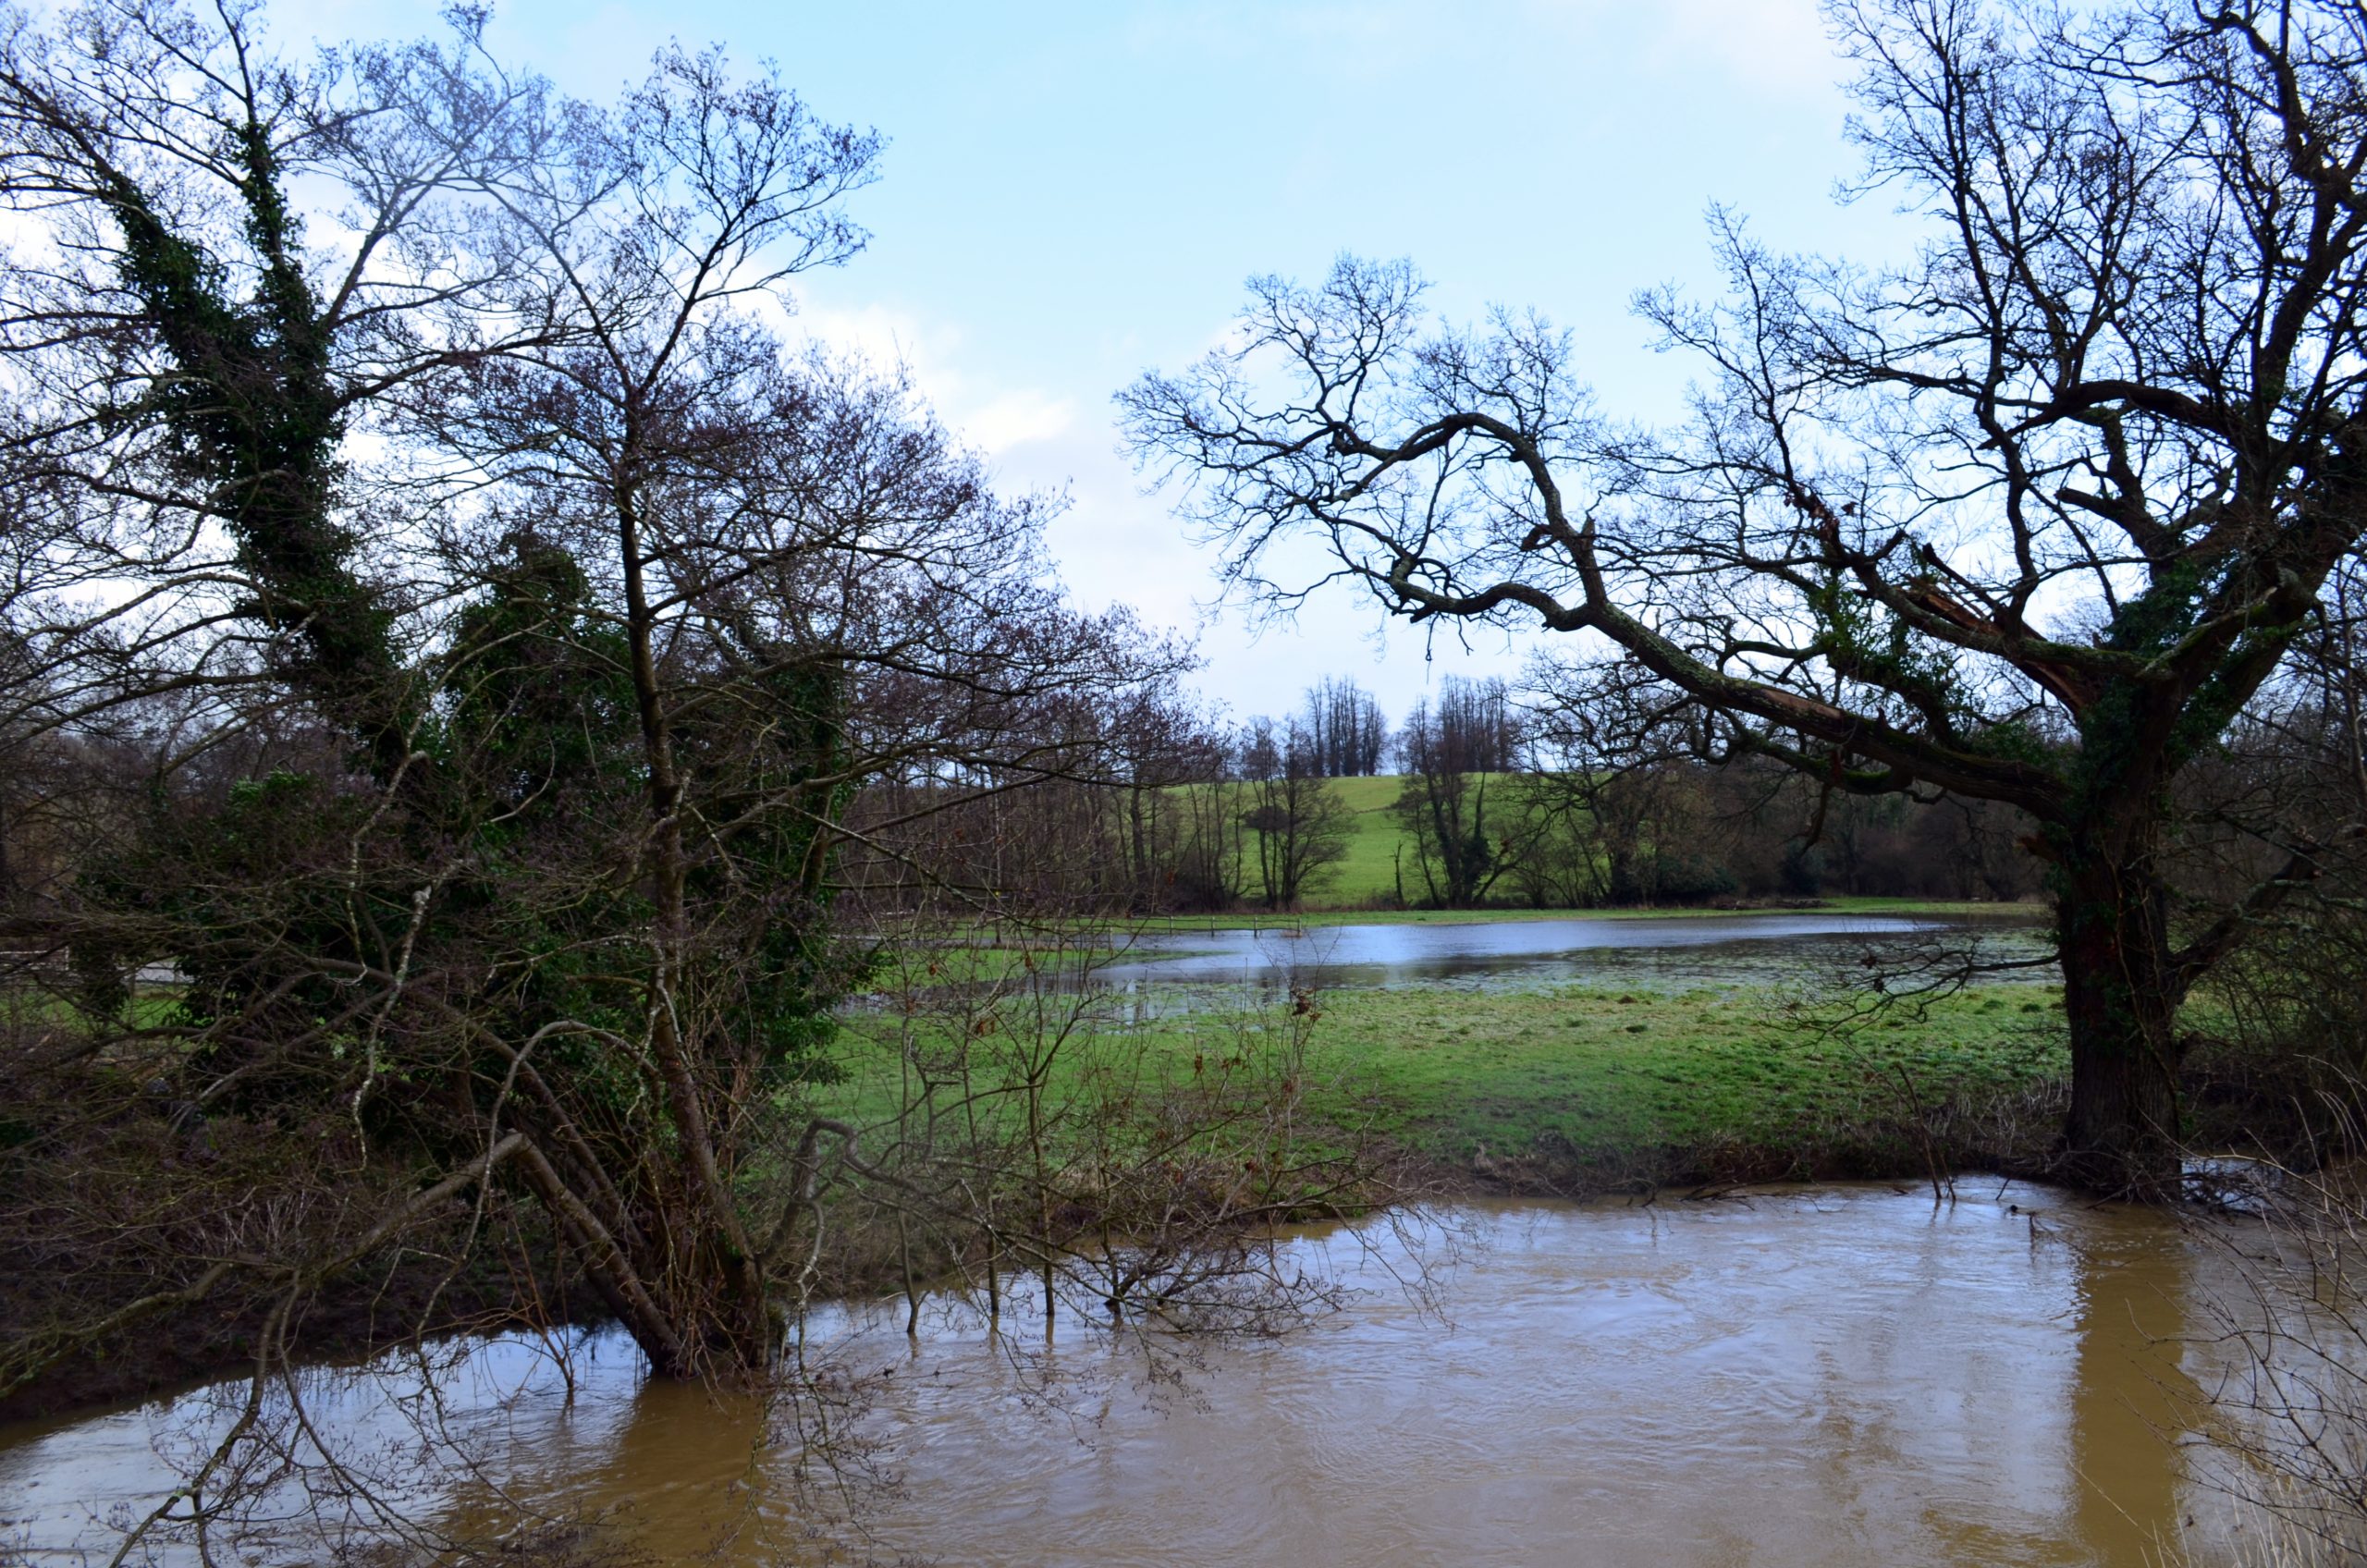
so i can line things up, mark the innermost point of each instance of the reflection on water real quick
(1846, 1376)
(1691, 950)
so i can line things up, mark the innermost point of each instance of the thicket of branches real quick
(479, 694)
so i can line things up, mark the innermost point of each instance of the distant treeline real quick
(1167, 810)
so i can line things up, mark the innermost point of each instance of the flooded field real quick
(1676, 952)
(1854, 1375)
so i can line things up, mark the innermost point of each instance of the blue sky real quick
(1075, 192)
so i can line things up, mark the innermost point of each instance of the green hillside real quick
(1366, 878)
(1368, 873)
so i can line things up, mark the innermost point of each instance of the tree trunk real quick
(2120, 996)
(703, 1274)
(710, 1324)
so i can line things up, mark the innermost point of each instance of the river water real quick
(1853, 1375)
(1848, 1375)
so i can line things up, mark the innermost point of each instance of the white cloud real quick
(886, 337)
(1777, 46)
(1014, 419)
(992, 417)
(1769, 43)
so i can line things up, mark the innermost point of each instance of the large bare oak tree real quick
(2028, 518)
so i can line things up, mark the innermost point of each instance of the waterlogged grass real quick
(1606, 1078)
(1615, 1073)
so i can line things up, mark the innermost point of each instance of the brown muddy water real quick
(1852, 1375)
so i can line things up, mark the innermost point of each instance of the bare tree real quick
(1454, 754)
(2028, 520)
(1301, 826)
(476, 696)
(1606, 809)
(1345, 727)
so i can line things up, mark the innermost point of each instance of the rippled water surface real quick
(1851, 1376)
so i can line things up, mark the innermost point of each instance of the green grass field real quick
(1608, 1079)
(1622, 1073)
(1368, 873)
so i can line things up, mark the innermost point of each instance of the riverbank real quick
(1571, 1090)
(440, 1282)
(1581, 1089)
(1456, 1088)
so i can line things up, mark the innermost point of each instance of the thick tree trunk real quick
(729, 1333)
(710, 1324)
(2120, 996)
(696, 1263)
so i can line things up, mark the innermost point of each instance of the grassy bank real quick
(1377, 847)
(1623, 1079)
(1582, 1086)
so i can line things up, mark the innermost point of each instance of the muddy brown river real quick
(1850, 1376)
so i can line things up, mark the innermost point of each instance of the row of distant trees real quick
(1339, 732)
(1157, 805)
(1520, 798)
